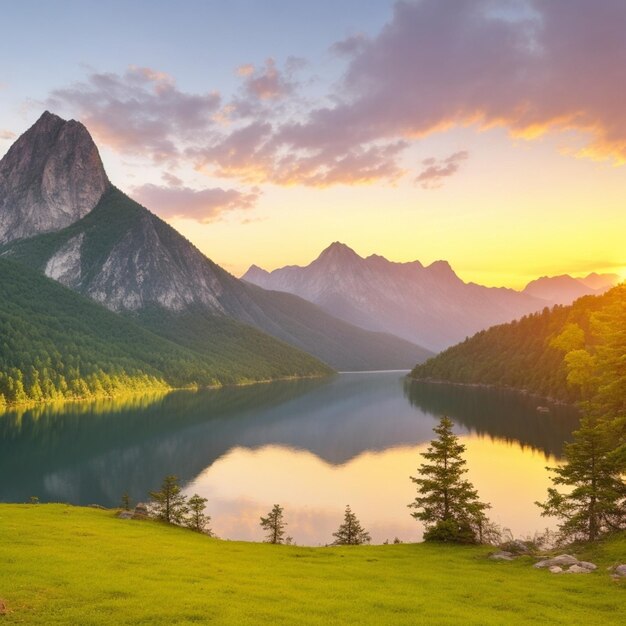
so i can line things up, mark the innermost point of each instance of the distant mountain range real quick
(565, 289)
(59, 214)
(428, 305)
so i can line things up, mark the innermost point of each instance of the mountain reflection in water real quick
(312, 445)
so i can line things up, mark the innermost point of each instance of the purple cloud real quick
(435, 170)
(139, 112)
(436, 65)
(530, 66)
(204, 206)
(266, 83)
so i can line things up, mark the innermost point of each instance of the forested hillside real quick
(57, 344)
(568, 352)
(129, 260)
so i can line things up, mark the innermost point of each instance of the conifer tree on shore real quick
(197, 520)
(274, 525)
(446, 502)
(351, 533)
(169, 504)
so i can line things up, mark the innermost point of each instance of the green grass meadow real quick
(70, 565)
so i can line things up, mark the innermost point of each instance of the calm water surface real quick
(312, 446)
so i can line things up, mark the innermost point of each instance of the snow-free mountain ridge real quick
(429, 305)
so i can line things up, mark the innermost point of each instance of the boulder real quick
(555, 569)
(562, 559)
(588, 565)
(141, 511)
(620, 570)
(516, 546)
(577, 569)
(125, 515)
(501, 556)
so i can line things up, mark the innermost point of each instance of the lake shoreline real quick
(515, 390)
(8, 407)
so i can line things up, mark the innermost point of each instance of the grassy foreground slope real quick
(70, 565)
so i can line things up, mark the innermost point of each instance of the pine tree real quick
(197, 520)
(274, 525)
(447, 503)
(169, 504)
(126, 502)
(350, 533)
(595, 501)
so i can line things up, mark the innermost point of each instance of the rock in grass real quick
(561, 560)
(125, 515)
(501, 556)
(555, 569)
(620, 570)
(516, 546)
(141, 511)
(588, 565)
(577, 569)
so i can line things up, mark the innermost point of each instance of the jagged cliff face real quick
(126, 258)
(50, 178)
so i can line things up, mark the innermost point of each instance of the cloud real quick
(7, 134)
(529, 66)
(204, 206)
(542, 67)
(245, 70)
(350, 45)
(266, 83)
(435, 170)
(139, 112)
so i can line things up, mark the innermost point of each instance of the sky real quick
(489, 133)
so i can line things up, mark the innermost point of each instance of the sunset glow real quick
(251, 162)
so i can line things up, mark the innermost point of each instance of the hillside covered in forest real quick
(567, 353)
(57, 344)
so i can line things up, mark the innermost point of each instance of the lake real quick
(312, 446)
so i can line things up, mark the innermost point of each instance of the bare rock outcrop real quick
(50, 178)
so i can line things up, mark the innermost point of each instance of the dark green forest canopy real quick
(56, 344)
(562, 353)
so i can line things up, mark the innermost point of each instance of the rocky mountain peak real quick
(255, 273)
(442, 270)
(338, 252)
(50, 177)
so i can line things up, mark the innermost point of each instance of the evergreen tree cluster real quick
(593, 501)
(537, 353)
(170, 505)
(55, 344)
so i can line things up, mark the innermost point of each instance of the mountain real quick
(428, 305)
(50, 177)
(600, 281)
(564, 289)
(543, 353)
(126, 258)
(58, 344)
